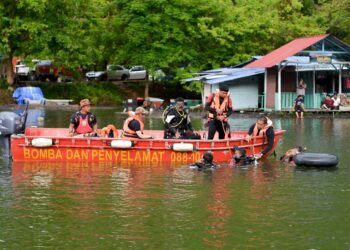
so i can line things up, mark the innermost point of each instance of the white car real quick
(96, 75)
(117, 72)
(24, 72)
(138, 73)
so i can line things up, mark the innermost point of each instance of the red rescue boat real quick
(54, 144)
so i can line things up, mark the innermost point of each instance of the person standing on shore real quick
(301, 88)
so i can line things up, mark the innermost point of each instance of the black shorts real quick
(299, 109)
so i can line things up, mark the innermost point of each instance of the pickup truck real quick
(24, 72)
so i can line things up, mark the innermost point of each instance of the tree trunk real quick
(146, 88)
(10, 75)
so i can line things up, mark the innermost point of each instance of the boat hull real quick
(73, 149)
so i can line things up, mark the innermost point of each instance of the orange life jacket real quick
(262, 132)
(215, 104)
(106, 130)
(127, 132)
(84, 126)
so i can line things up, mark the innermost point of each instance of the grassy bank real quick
(100, 93)
(103, 93)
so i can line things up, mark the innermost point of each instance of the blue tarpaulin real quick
(25, 95)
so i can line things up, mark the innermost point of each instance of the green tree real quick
(59, 30)
(335, 17)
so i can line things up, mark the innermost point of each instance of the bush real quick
(99, 93)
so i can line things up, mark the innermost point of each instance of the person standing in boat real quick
(219, 107)
(177, 122)
(264, 127)
(134, 124)
(83, 122)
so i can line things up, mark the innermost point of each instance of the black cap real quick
(241, 150)
(208, 157)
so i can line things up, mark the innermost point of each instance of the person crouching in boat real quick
(263, 127)
(205, 163)
(219, 107)
(134, 124)
(177, 122)
(83, 123)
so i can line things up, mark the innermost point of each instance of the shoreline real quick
(202, 114)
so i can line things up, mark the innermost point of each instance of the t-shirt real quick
(134, 125)
(299, 102)
(329, 103)
(301, 89)
(336, 101)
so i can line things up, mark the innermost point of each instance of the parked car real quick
(138, 73)
(24, 72)
(96, 75)
(117, 72)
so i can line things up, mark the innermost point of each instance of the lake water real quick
(106, 206)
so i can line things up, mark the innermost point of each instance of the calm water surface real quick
(107, 206)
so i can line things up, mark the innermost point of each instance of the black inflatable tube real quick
(315, 159)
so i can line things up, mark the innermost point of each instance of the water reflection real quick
(220, 193)
(104, 205)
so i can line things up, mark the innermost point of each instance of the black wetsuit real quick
(178, 121)
(243, 160)
(204, 165)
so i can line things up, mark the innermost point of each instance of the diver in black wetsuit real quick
(205, 163)
(240, 158)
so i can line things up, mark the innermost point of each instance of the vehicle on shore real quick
(96, 76)
(117, 72)
(25, 72)
(138, 73)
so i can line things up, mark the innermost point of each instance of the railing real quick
(310, 101)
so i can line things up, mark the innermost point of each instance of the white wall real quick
(243, 92)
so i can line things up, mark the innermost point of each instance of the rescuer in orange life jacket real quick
(83, 122)
(264, 127)
(219, 105)
(134, 124)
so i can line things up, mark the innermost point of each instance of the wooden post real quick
(314, 86)
(265, 88)
(279, 103)
(146, 88)
(340, 79)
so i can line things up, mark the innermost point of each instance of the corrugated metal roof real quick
(239, 73)
(289, 49)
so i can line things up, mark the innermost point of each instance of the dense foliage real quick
(178, 36)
